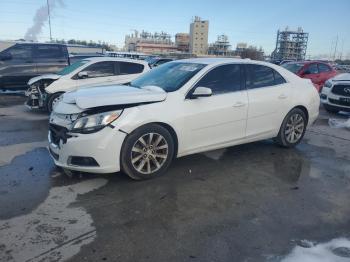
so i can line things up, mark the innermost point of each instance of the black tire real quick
(50, 101)
(331, 109)
(282, 138)
(70, 173)
(133, 140)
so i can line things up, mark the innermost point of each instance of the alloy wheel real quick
(294, 128)
(149, 153)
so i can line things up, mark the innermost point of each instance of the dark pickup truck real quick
(22, 61)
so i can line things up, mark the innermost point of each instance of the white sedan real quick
(179, 108)
(45, 90)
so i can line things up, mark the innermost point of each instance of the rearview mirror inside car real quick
(201, 91)
(83, 74)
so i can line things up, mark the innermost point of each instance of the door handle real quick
(282, 96)
(239, 104)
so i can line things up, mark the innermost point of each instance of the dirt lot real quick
(255, 202)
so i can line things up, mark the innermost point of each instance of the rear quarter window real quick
(263, 76)
(20, 51)
(126, 68)
(49, 51)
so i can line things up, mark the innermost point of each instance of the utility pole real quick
(335, 48)
(342, 48)
(48, 12)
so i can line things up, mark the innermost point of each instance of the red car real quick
(317, 72)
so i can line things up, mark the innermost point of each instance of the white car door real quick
(268, 95)
(220, 118)
(97, 73)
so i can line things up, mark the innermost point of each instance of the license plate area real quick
(344, 99)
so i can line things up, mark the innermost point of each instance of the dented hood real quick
(82, 99)
(47, 76)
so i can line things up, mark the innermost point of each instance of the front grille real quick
(58, 133)
(339, 102)
(343, 90)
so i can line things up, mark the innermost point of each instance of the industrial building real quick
(182, 42)
(199, 36)
(221, 47)
(145, 42)
(290, 45)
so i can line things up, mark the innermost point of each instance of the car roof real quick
(117, 59)
(308, 62)
(218, 61)
(36, 43)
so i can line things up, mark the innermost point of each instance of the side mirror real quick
(4, 57)
(201, 91)
(83, 74)
(306, 72)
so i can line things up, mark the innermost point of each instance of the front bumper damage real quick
(36, 97)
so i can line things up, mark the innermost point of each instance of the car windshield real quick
(170, 76)
(293, 67)
(69, 69)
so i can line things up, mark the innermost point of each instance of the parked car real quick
(44, 91)
(157, 61)
(317, 72)
(180, 108)
(76, 57)
(335, 94)
(23, 61)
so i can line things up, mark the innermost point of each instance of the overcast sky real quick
(255, 21)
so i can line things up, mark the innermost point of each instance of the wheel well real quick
(303, 108)
(172, 133)
(167, 127)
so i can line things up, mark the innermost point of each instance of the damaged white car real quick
(180, 108)
(45, 90)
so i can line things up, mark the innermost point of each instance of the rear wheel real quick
(147, 152)
(292, 129)
(52, 100)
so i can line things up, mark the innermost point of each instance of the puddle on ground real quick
(53, 231)
(8, 153)
(25, 182)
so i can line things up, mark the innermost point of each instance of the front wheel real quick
(52, 100)
(292, 129)
(147, 152)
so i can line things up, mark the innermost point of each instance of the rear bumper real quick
(103, 146)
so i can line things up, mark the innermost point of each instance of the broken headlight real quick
(93, 123)
(328, 84)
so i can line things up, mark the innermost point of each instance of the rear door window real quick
(48, 52)
(278, 78)
(312, 69)
(100, 69)
(222, 79)
(323, 68)
(126, 68)
(260, 76)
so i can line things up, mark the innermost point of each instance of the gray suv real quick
(22, 61)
